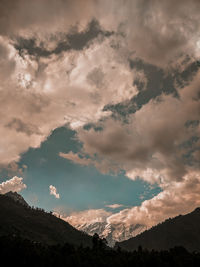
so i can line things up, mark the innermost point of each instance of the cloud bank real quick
(169, 28)
(153, 143)
(73, 86)
(177, 198)
(159, 144)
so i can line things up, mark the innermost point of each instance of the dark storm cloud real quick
(72, 41)
(169, 28)
(158, 82)
(75, 86)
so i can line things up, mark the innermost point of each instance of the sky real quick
(100, 107)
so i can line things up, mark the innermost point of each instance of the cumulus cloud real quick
(179, 197)
(53, 191)
(15, 184)
(75, 86)
(159, 144)
(152, 144)
(69, 89)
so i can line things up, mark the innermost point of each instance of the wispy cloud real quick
(114, 206)
(76, 158)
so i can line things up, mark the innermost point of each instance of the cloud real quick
(87, 216)
(71, 88)
(74, 40)
(19, 16)
(20, 126)
(159, 144)
(15, 184)
(75, 158)
(114, 206)
(151, 145)
(74, 87)
(177, 198)
(53, 191)
(12, 169)
(170, 29)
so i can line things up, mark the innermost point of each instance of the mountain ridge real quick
(19, 219)
(17, 197)
(182, 230)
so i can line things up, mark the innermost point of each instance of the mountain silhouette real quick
(183, 230)
(17, 218)
(16, 197)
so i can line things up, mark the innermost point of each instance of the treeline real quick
(17, 251)
(24, 204)
(183, 230)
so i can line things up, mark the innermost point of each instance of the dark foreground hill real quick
(17, 218)
(183, 230)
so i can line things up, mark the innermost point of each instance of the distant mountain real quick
(112, 232)
(92, 228)
(17, 218)
(183, 230)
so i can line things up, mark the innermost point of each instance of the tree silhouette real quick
(33, 254)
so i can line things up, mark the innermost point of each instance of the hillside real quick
(183, 230)
(17, 218)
